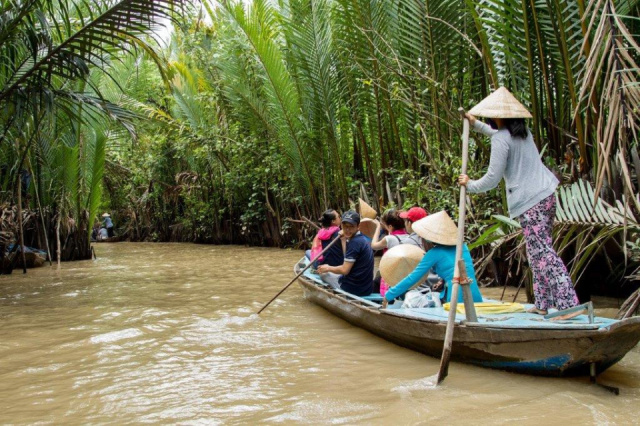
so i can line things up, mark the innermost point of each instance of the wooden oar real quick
(299, 274)
(448, 339)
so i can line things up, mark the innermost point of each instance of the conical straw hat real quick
(398, 262)
(368, 227)
(500, 104)
(106, 215)
(366, 210)
(437, 228)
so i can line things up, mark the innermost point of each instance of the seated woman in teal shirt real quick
(439, 231)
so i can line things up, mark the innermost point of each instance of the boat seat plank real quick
(374, 297)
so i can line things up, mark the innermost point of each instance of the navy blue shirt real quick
(360, 278)
(335, 256)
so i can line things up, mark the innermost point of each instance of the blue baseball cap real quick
(351, 217)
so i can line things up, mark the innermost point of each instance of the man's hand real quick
(322, 269)
(463, 180)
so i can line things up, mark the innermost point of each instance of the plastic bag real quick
(422, 298)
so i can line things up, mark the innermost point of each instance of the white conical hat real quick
(106, 215)
(399, 261)
(366, 210)
(438, 228)
(500, 104)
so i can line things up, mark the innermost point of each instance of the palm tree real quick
(49, 48)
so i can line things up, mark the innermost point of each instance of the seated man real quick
(103, 234)
(355, 275)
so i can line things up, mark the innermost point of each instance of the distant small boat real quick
(113, 239)
(34, 258)
(519, 342)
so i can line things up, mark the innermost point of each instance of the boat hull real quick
(531, 351)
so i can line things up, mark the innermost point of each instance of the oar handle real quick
(448, 338)
(300, 273)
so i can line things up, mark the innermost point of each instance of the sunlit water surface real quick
(168, 333)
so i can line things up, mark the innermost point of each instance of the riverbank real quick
(166, 333)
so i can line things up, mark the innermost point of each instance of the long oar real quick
(448, 338)
(299, 274)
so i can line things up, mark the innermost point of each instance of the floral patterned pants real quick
(552, 284)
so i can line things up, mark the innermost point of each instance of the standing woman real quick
(530, 195)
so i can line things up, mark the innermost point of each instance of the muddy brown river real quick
(166, 333)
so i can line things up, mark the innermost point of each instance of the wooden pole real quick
(467, 297)
(299, 274)
(58, 237)
(448, 339)
(20, 231)
(44, 226)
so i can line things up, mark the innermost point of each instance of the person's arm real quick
(479, 126)
(427, 262)
(346, 266)
(497, 166)
(484, 128)
(376, 242)
(343, 269)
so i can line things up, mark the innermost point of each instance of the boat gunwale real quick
(569, 352)
(359, 302)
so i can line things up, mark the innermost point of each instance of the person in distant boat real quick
(95, 230)
(355, 274)
(103, 234)
(530, 195)
(439, 236)
(330, 222)
(108, 224)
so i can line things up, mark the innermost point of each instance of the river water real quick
(167, 333)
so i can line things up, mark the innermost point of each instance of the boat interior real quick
(517, 320)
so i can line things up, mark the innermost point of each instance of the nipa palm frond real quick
(259, 26)
(584, 223)
(611, 67)
(52, 41)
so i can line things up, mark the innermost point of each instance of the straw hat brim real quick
(500, 104)
(398, 262)
(368, 227)
(366, 211)
(106, 215)
(438, 228)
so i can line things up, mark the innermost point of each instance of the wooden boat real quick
(114, 239)
(518, 342)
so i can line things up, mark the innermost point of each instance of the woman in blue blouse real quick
(439, 235)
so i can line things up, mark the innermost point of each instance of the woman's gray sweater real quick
(518, 161)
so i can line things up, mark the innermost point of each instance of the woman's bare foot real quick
(568, 316)
(535, 310)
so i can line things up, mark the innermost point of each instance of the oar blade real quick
(444, 366)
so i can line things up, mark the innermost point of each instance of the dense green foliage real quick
(254, 113)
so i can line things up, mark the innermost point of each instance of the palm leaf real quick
(259, 27)
(69, 45)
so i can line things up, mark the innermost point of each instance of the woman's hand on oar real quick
(463, 180)
(471, 118)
